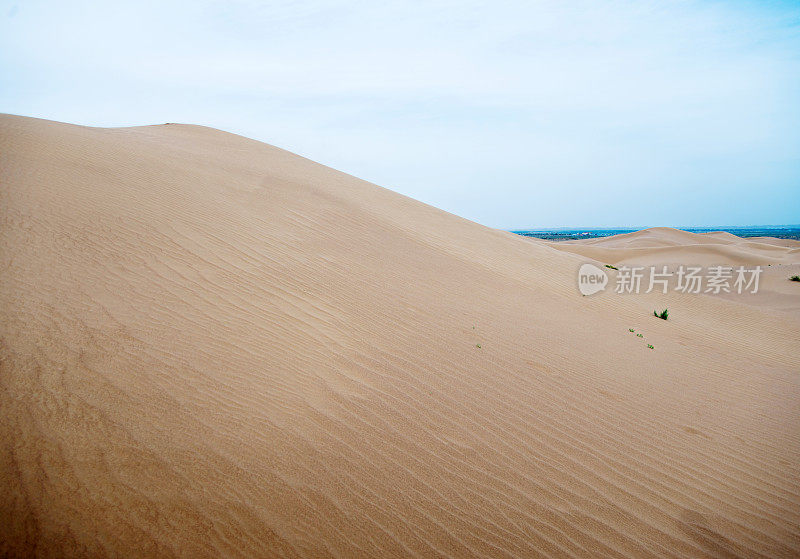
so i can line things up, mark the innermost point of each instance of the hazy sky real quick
(513, 114)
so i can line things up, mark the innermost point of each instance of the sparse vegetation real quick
(794, 278)
(650, 346)
(639, 336)
(663, 315)
(630, 329)
(478, 346)
(612, 267)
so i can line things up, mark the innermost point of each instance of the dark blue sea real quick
(566, 234)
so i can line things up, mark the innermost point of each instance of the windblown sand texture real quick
(215, 348)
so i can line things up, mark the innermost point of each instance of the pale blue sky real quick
(513, 114)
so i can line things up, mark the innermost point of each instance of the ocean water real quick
(565, 234)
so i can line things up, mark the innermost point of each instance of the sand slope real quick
(212, 347)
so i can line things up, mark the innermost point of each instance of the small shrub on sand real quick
(663, 315)
(794, 278)
(612, 267)
(650, 346)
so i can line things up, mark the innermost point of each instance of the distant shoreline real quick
(565, 234)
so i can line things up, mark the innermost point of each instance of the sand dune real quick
(215, 348)
(659, 246)
(659, 243)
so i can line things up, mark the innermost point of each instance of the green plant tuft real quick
(663, 315)
(794, 278)
(612, 267)
(630, 329)
(639, 336)
(650, 346)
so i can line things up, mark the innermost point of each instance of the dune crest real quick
(213, 347)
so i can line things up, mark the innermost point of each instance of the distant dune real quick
(212, 347)
(720, 247)
(779, 258)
